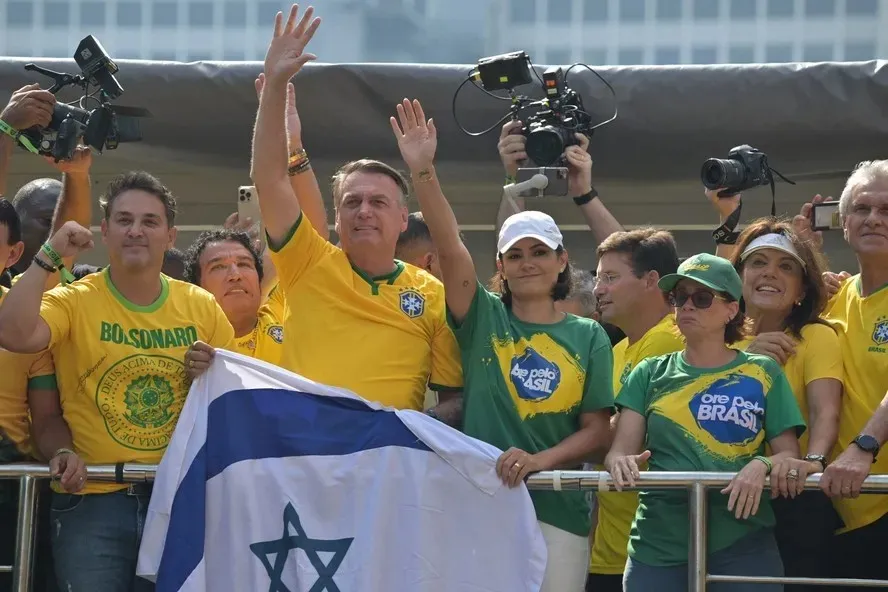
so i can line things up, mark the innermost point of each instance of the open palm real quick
(417, 138)
(286, 54)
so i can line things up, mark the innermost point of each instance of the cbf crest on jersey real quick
(276, 332)
(880, 331)
(731, 409)
(412, 303)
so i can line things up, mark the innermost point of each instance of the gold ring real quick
(792, 474)
(191, 363)
(517, 464)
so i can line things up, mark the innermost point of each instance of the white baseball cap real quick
(529, 224)
(776, 241)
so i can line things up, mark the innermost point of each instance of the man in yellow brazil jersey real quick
(118, 339)
(365, 321)
(859, 313)
(629, 266)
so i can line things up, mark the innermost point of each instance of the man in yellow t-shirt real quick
(629, 266)
(859, 313)
(226, 264)
(118, 338)
(365, 321)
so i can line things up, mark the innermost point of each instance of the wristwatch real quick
(868, 444)
(819, 458)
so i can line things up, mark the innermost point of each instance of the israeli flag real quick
(273, 482)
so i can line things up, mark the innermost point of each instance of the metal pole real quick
(697, 539)
(26, 533)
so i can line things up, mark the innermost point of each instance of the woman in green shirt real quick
(706, 408)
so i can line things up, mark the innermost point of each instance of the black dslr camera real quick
(105, 126)
(555, 119)
(744, 168)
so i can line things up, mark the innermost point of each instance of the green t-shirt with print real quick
(703, 419)
(525, 385)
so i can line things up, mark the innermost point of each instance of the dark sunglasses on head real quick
(701, 299)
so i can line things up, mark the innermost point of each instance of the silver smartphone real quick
(825, 216)
(248, 207)
(557, 177)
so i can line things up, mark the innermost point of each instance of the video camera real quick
(553, 120)
(105, 126)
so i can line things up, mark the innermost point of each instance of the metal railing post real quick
(26, 532)
(697, 540)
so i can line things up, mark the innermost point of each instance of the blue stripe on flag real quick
(267, 423)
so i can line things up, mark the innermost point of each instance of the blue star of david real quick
(281, 547)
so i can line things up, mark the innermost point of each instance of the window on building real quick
(820, 8)
(128, 54)
(704, 55)
(92, 14)
(668, 10)
(631, 11)
(200, 14)
(667, 56)
(778, 53)
(522, 11)
(860, 51)
(558, 56)
(743, 9)
(265, 12)
(233, 55)
(781, 8)
(705, 9)
(235, 14)
(20, 14)
(199, 56)
(420, 7)
(818, 52)
(595, 56)
(129, 14)
(56, 14)
(630, 56)
(55, 52)
(741, 54)
(862, 7)
(165, 14)
(21, 50)
(594, 10)
(560, 11)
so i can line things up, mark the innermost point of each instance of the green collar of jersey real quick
(164, 292)
(374, 281)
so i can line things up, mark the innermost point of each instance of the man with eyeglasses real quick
(629, 266)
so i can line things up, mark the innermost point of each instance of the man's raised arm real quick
(286, 56)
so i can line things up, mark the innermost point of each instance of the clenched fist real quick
(71, 240)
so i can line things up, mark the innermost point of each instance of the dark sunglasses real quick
(701, 299)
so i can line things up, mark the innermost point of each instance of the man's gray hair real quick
(863, 174)
(582, 284)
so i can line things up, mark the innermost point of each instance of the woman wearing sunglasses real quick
(783, 297)
(708, 407)
(538, 381)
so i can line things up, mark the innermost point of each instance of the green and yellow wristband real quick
(58, 263)
(18, 137)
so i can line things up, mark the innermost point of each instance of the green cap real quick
(712, 271)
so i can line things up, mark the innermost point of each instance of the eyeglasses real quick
(701, 299)
(605, 279)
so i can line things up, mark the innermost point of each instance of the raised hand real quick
(286, 53)
(79, 164)
(417, 138)
(29, 106)
(71, 239)
(294, 124)
(579, 177)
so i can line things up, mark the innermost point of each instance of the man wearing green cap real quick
(713, 408)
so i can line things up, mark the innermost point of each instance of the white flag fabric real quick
(273, 482)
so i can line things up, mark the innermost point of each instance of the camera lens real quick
(545, 145)
(719, 172)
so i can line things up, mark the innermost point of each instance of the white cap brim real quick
(774, 241)
(508, 244)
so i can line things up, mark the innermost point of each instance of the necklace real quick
(251, 343)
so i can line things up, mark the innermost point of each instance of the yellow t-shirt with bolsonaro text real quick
(121, 367)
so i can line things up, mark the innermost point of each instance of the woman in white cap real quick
(538, 382)
(710, 408)
(783, 298)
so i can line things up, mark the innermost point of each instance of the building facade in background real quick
(662, 32)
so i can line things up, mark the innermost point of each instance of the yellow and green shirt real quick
(616, 510)
(703, 419)
(385, 338)
(862, 325)
(121, 367)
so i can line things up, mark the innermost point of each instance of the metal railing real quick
(697, 485)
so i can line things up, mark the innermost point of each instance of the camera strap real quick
(727, 234)
(17, 136)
